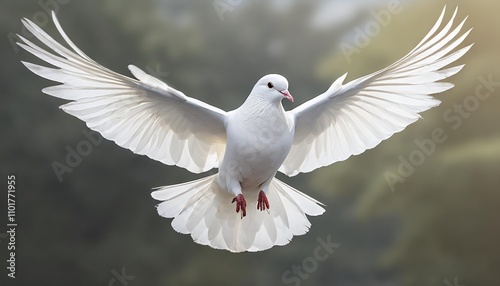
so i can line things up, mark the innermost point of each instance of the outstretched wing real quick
(146, 115)
(348, 119)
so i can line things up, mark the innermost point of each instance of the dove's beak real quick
(287, 95)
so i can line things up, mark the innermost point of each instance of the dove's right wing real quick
(146, 116)
(350, 118)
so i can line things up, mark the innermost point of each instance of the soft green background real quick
(440, 226)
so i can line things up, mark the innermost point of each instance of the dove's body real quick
(249, 144)
(253, 157)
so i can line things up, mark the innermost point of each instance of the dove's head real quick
(273, 87)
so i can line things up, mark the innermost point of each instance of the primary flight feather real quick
(244, 207)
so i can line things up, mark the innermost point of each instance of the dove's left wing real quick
(348, 119)
(146, 115)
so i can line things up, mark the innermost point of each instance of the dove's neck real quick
(258, 108)
(261, 113)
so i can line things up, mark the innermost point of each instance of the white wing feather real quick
(349, 119)
(146, 116)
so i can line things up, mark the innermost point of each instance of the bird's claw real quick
(241, 204)
(262, 203)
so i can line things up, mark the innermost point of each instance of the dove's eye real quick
(270, 85)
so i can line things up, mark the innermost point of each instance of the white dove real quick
(244, 207)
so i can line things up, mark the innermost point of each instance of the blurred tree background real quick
(412, 211)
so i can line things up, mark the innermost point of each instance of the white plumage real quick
(249, 144)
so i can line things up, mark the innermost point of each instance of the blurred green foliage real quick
(438, 224)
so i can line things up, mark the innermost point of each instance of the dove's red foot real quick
(241, 204)
(262, 203)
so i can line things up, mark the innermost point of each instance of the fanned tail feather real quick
(202, 209)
